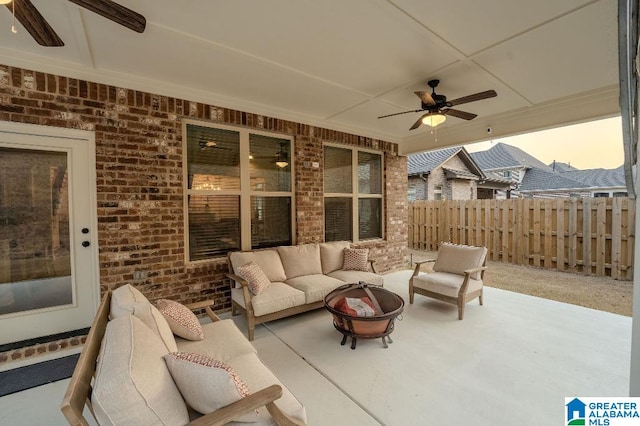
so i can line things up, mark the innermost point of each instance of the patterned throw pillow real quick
(356, 260)
(181, 320)
(206, 383)
(254, 275)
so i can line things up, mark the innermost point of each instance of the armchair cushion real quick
(332, 255)
(182, 321)
(255, 277)
(300, 260)
(206, 383)
(457, 258)
(444, 283)
(132, 383)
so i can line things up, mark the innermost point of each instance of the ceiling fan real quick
(36, 25)
(437, 107)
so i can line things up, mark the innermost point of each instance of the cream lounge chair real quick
(456, 278)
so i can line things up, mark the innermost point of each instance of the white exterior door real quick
(49, 277)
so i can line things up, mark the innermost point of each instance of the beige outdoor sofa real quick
(122, 377)
(301, 276)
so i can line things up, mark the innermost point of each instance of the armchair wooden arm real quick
(206, 305)
(416, 270)
(373, 266)
(264, 397)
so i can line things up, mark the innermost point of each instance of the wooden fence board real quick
(591, 236)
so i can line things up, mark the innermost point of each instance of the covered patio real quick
(512, 360)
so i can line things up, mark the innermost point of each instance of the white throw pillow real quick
(256, 278)
(182, 321)
(153, 318)
(206, 383)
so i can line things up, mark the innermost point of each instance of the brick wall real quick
(139, 178)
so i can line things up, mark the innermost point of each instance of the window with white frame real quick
(239, 192)
(437, 192)
(352, 194)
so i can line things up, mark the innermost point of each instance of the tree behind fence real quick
(592, 236)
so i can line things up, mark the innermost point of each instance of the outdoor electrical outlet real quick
(139, 275)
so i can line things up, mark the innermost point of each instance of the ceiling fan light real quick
(434, 119)
(5, 1)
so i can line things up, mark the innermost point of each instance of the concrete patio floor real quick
(511, 361)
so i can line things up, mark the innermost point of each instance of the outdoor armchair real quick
(457, 276)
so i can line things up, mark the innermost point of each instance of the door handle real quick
(86, 244)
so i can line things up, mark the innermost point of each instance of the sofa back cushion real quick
(300, 260)
(153, 318)
(332, 255)
(456, 258)
(268, 260)
(123, 299)
(132, 384)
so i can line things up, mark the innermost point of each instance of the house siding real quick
(140, 180)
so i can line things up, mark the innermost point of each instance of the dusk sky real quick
(596, 144)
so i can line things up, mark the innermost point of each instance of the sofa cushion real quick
(268, 260)
(207, 384)
(122, 300)
(356, 259)
(258, 376)
(300, 260)
(182, 321)
(332, 255)
(445, 283)
(154, 319)
(315, 287)
(353, 277)
(457, 258)
(277, 297)
(132, 384)
(222, 340)
(255, 277)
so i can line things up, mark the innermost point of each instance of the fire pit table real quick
(383, 306)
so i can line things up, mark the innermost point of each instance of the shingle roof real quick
(501, 156)
(425, 162)
(598, 177)
(540, 180)
(561, 167)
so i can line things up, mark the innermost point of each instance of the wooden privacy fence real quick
(592, 236)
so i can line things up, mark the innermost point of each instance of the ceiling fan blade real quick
(425, 97)
(115, 12)
(418, 122)
(472, 98)
(398, 113)
(35, 24)
(460, 114)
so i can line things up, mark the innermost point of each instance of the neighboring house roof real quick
(459, 174)
(425, 162)
(561, 167)
(503, 156)
(598, 177)
(542, 180)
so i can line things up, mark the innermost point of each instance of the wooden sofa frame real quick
(463, 297)
(78, 394)
(252, 319)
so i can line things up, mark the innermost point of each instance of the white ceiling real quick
(342, 63)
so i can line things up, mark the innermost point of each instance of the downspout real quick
(627, 57)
